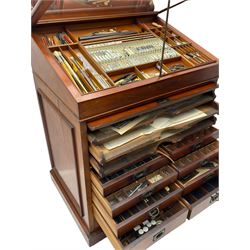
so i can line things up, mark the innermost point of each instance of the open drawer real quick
(128, 174)
(205, 91)
(170, 218)
(190, 143)
(104, 169)
(199, 158)
(106, 134)
(198, 177)
(127, 197)
(162, 128)
(144, 210)
(202, 197)
(129, 125)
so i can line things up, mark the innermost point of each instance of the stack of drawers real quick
(154, 166)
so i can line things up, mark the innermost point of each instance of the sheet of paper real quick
(166, 122)
(128, 137)
(123, 127)
(159, 124)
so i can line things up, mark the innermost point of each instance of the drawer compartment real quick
(190, 143)
(104, 169)
(106, 134)
(127, 197)
(150, 107)
(201, 198)
(199, 158)
(159, 131)
(128, 174)
(199, 177)
(144, 210)
(170, 218)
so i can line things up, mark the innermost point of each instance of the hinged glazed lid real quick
(56, 11)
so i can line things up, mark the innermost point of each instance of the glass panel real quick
(73, 5)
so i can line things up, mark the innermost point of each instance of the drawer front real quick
(116, 165)
(201, 198)
(196, 128)
(129, 196)
(129, 174)
(144, 210)
(199, 177)
(170, 219)
(190, 143)
(199, 158)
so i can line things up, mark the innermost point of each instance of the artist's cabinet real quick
(131, 137)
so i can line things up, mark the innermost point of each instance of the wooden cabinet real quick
(131, 137)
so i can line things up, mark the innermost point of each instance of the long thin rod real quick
(165, 37)
(159, 12)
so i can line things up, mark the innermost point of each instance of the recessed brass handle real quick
(158, 235)
(154, 212)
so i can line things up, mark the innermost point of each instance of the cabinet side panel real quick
(62, 145)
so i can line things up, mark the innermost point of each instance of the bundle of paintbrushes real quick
(85, 80)
(56, 39)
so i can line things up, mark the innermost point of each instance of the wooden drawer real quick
(190, 143)
(196, 128)
(106, 134)
(170, 218)
(150, 107)
(199, 177)
(109, 168)
(144, 210)
(202, 197)
(127, 197)
(154, 134)
(128, 174)
(189, 163)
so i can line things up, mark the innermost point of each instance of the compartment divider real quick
(86, 88)
(96, 82)
(94, 64)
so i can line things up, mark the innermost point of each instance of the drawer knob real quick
(154, 212)
(158, 235)
(214, 197)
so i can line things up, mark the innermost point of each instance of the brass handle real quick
(214, 198)
(158, 235)
(154, 212)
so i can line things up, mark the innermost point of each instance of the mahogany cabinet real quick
(129, 122)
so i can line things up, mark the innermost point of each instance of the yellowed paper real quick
(159, 124)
